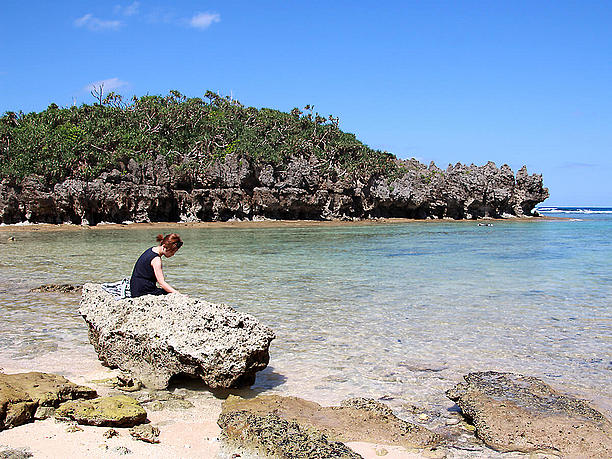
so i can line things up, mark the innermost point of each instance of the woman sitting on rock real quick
(148, 268)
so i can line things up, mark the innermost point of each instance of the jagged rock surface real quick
(157, 337)
(357, 419)
(513, 412)
(304, 188)
(270, 436)
(23, 395)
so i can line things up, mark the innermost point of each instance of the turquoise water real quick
(398, 311)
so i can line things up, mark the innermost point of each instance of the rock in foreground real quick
(117, 411)
(23, 395)
(157, 337)
(270, 436)
(357, 420)
(512, 412)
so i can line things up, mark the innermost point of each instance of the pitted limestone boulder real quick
(512, 412)
(157, 337)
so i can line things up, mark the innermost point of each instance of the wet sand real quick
(19, 227)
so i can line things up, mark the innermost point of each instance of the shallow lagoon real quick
(398, 311)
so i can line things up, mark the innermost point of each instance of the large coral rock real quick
(513, 412)
(356, 420)
(115, 411)
(270, 436)
(22, 395)
(157, 337)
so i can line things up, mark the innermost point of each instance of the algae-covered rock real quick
(358, 420)
(115, 411)
(270, 436)
(512, 412)
(26, 396)
(156, 337)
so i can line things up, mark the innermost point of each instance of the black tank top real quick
(143, 278)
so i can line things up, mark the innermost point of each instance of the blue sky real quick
(512, 82)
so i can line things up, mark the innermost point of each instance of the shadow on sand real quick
(266, 379)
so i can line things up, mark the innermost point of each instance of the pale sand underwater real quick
(394, 309)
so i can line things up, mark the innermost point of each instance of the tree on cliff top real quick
(84, 141)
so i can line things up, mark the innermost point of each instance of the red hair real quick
(170, 241)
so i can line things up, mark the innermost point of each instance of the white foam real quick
(561, 210)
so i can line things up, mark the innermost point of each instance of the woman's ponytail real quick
(171, 241)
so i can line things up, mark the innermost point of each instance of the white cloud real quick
(91, 22)
(129, 10)
(204, 20)
(109, 84)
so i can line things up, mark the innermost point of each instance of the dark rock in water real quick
(271, 436)
(424, 367)
(146, 433)
(57, 288)
(23, 395)
(156, 337)
(116, 411)
(513, 412)
(356, 420)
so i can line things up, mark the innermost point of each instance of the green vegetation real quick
(190, 133)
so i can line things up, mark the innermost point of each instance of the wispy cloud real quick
(109, 84)
(128, 10)
(204, 20)
(89, 21)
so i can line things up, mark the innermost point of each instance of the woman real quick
(148, 268)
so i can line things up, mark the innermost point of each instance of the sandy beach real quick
(184, 433)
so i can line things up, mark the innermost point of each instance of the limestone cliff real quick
(302, 188)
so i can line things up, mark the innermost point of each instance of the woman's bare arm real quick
(159, 275)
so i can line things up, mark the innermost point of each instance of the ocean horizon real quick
(573, 209)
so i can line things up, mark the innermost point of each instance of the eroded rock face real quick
(156, 337)
(356, 420)
(23, 395)
(513, 412)
(115, 411)
(270, 436)
(304, 188)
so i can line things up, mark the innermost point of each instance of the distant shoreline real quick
(43, 227)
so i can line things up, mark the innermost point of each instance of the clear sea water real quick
(398, 311)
